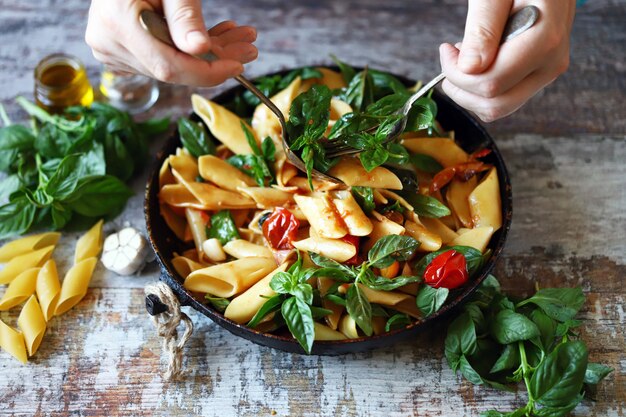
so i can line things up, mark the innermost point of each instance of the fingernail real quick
(469, 59)
(197, 38)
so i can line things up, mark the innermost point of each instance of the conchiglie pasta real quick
(48, 288)
(13, 342)
(32, 323)
(75, 285)
(27, 244)
(22, 287)
(22, 262)
(90, 244)
(231, 278)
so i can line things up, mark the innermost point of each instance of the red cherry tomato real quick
(356, 242)
(447, 270)
(280, 228)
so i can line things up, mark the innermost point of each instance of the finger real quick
(222, 27)
(483, 29)
(238, 34)
(186, 24)
(490, 109)
(243, 52)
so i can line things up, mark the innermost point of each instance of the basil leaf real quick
(304, 292)
(297, 315)
(425, 205)
(509, 327)
(99, 196)
(249, 164)
(319, 312)
(16, 217)
(386, 284)
(546, 326)
(425, 163)
(218, 303)
(272, 305)
(325, 262)
(385, 84)
(60, 215)
(194, 138)
(359, 308)
(63, 182)
(508, 359)
(364, 196)
(397, 321)
(595, 373)
(281, 282)
(304, 74)
(340, 301)
(422, 115)
(223, 227)
(360, 92)
(374, 157)
(560, 411)
(387, 105)
(561, 304)
(347, 72)
(429, 300)
(335, 273)
(460, 340)
(268, 149)
(9, 185)
(558, 379)
(153, 127)
(391, 248)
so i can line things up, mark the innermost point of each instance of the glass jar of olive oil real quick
(61, 81)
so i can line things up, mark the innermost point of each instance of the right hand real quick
(118, 40)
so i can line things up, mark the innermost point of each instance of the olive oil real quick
(61, 81)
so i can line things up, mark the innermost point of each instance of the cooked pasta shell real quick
(322, 215)
(457, 197)
(240, 248)
(243, 307)
(90, 244)
(27, 244)
(267, 197)
(382, 226)
(435, 225)
(429, 241)
(22, 287)
(20, 263)
(223, 174)
(352, 173)
(32, 323)
(356, 221)
(48, 288)
(13, 342)
(347, 326)
(75, 285)
(223, 124)
(231, 278)
(477, 237)
(326, 333)
(185, 266)
(264, 122)
(484, 202)
(335, 249)
(444, 150)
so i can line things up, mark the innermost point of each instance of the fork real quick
(516, 24)
(156, 25)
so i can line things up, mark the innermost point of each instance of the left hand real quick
(494, 80)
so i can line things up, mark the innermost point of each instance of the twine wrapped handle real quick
(164, 307)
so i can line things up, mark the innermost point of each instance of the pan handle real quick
(155, 306)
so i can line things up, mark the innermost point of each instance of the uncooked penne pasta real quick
(22, 287)
(27, 244)
(90, 244)
(23, 262)
(75, 285)
(32, 323)
(13, 342)
(48, 288)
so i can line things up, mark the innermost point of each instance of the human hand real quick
(118, 40)
(494, 80)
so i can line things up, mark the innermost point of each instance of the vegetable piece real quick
(222, 227)
(280, 228)
(125, 252)
(195, 138)
(447, 270)
(429, 299)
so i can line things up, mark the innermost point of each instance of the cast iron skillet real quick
(469, 134)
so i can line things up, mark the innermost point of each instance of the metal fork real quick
(517, 23)
(156, 25)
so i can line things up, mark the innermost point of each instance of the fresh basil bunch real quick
(69, 169)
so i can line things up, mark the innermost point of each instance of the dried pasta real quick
(89, 244)
(22, 287)
(27, 244)
(48, 288)
(13, 342)
(32, 323)
(75, 285)
(21, 262)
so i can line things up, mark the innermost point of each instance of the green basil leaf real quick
(347, 72)
(319, 312)
(153, 127)
(281, 282)
(119, 162)
(559, 411)
(387, 105)
(425, 205)
(558, 379)
(360, 91)
(546, 326)
(335, 273)
(429, 300)
(299, 320)
(391, 248)
(595, 373)
(223, 227)
(340, 301)
(9, 185)
(16, 217)
(303, 291)
(359, 308)
(251, 140)
(425, 163)
(219, 303)
(99, 196)
(16, 138)
(469, 372)
(385, 84)
(272, 305)
(397, 321)
(386, 284)
(460, 340)
(422, 115)
(508, 359)
(364, 196)
(60, 215)
(509, 327)
(195, 138)
(249, 164)
(373, 157)
(269, 149)
(561, 304)
(63, 182)
(325, 262)
(304, 74)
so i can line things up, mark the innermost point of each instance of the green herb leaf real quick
(429, 300)
(360, 92)
(223, 227)
(347, 72)
(391, 248)
(195, 138)
(508, 359)
(16, 217)
(359, 308)
(319, 312)
(303, 291)
(561, 304)
(340, 301)
(272, 305)
(509, 327)
(460, 340)
(425, 163)
(281, 282)
(547, 328)
(595, 373)
(365, 197)
(99, 196)
(386, 284)
(425, 205)
(397, 321)
(297, 315)
(218, 303)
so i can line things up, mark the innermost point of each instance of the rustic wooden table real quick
(566, 152)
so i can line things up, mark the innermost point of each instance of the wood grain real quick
(566, 151)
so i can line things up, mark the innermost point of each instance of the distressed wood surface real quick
(566, 151)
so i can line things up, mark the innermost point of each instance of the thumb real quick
(186, 24)
(483, 30)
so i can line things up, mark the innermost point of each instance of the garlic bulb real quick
(125, 252)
